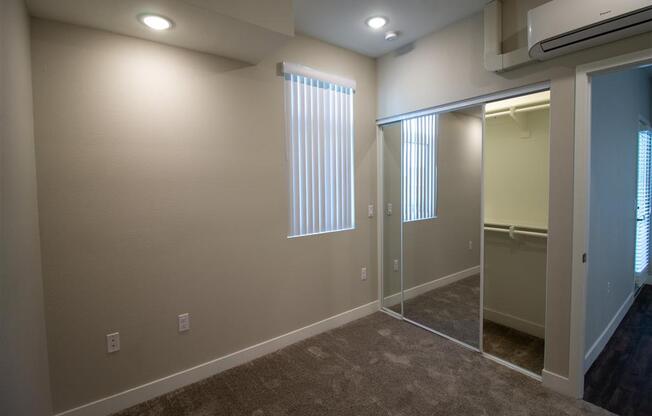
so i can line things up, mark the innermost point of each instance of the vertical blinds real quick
(419, 138)
(319, 130)
(643, 201)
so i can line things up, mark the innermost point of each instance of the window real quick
(419, 137)
(643, 200)
(319, 133)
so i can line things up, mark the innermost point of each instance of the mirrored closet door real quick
(432, 170)
(516, 171)
(391, 211)
(442, 171)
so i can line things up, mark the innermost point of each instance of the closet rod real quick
(511, 231)
(506, 226)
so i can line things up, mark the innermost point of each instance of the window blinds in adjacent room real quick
(320, 151)
(643, 200)
(419, 137)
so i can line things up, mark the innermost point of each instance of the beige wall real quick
(24, 387)
(447, 66)
(618, 100)
(516, 193)
(162, 189)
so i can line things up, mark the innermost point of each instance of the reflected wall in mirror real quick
(441, 201)
(516, 172)
(391, 211)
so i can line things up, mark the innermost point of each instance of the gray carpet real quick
(453, 310)
(519, 348)
(377, 365)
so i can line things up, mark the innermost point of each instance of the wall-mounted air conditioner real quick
(563, 26)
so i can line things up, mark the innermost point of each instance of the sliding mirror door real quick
(516, 171)
(441, 168)
(391, 211)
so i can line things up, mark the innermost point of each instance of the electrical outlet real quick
(184, 322)
(390, 208)
(608, 287)
(395, 265)
(113, 342)
(370, 211)
(363, 274)
(470, 245)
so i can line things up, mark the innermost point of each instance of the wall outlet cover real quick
(113, 342)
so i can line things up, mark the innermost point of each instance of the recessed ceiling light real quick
(376, 22)
(391, 35)
(155, 22)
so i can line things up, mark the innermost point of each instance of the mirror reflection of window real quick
(419, 136)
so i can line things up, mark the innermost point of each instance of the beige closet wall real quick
(24, 386)
(447, 66)
(163, 190)
(516, 172)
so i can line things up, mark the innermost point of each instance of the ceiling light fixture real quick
(391, 35)
(376, 22)
(156, 22)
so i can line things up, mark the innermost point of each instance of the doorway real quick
(617, 319)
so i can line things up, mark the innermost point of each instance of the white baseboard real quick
(599, 344)
(513, 367)
(415, 291)
(515, 322)
(560, 384)
(131, 397)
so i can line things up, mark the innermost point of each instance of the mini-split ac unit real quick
(563, 26)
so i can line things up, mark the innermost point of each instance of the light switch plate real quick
(184, 322)
(370, 211)
(363, 273)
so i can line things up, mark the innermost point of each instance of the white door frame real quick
(581, 206)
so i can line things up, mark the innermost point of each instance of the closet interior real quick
(516, 172)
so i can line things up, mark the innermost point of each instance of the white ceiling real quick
(342, 22)
(246, 30)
